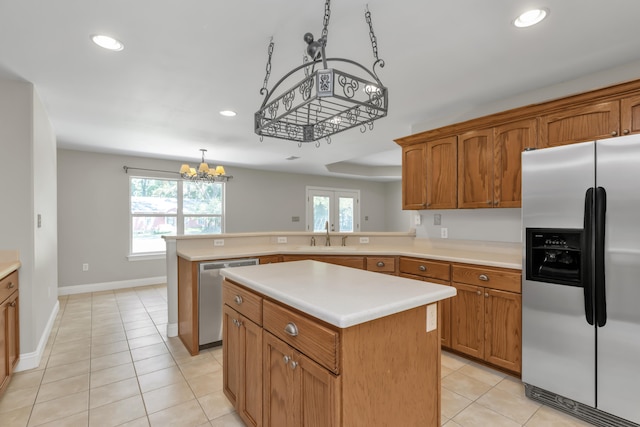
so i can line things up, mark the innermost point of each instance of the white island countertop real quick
(340, 296)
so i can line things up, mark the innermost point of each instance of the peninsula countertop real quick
(340, 296)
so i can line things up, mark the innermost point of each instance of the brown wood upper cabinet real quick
(594, 121)
(489, 164)
(429, 175)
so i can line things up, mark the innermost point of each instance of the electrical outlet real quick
(417, 220)
(218, 242)
(432, 317)
(364, 240)
(444, 232)
(85, 267)
(282, 239)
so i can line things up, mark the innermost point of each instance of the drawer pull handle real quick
(286, 360)
(293, 365)
(291, 329)
(483, 277)
(422, 268)
(238, 299)
(380, 264)
(11, 285)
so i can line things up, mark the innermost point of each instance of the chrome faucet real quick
(313, 241)
(327, 242)
(344, 240)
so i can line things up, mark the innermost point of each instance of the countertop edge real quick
(6, 268)
(432, 254)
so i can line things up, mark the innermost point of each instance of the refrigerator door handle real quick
(601, 210)
(587, 257)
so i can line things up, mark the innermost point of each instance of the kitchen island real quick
(310, 343)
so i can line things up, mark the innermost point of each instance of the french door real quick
(340, 209)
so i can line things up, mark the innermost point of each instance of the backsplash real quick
(493, 225)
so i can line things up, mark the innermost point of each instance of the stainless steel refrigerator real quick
(581, 279)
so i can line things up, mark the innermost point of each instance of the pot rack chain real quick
(374, 42)
(325, 21)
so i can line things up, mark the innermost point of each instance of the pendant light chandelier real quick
(325, 101)
(204, 172)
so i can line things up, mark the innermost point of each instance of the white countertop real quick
(340, 296)
(469, 255)
(8, 267)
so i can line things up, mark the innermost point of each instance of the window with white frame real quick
(168, 207)
(337, 208)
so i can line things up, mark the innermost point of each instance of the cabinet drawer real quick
(496, 278)
(425, 268)
(304, 334)
(381, 264)
(8, 285)
(243, 301)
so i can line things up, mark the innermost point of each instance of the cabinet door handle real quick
(422, 268)
(291, 329)
(483, 277)
(614, 133)
(380, 264)
(496, 202)
(479, 292)
(286, 360)
(486, 295)
(10, 285)
(293, 365)
(12, 304)
(626, 131)
(489, 202)
(238, 299)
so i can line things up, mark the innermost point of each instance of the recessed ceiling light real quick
(107, 42)
(530, 17)
(227, 113)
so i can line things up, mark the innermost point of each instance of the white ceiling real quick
(185, 60)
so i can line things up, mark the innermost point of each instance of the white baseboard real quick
(172, 329)
(110, 286)
(32, 360)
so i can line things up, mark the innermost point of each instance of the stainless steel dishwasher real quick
(210, 299)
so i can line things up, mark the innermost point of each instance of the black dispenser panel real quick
(555, 255)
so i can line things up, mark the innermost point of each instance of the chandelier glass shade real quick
(204, 172)
(323, 101)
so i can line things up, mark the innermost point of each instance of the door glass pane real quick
(321, 209)
(345, 214)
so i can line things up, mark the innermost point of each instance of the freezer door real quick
(558, 345)
(618, 172)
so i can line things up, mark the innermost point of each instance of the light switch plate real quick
(444, 233)
(218, 242)
(364, 240)
(432, 317)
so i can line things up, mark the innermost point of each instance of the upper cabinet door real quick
(587, 123)
(442, 173)
(509, 142)
(630, 115)
(475, 169)
(414, 176)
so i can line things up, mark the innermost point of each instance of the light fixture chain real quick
(325, 21)
(268, 68)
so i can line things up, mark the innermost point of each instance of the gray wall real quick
(493, 225)
(93, 203)
(28, 187)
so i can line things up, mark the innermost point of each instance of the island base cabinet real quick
(296, 390)
(242, 371)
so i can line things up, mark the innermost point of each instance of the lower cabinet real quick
(9, 328)
(242, 353)
(487, 321)
(297, 391)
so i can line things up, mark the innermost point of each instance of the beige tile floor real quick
(108, 362)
